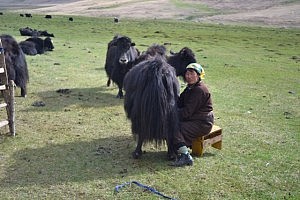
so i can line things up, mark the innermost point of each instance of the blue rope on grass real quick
(118, 187)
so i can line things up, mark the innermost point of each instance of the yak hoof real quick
(23, 92)
(119, 96)
(171, 157)
(137, 154)
(108, 83)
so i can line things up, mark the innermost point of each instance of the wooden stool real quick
(214, 138)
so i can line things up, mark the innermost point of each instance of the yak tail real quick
(21, 70)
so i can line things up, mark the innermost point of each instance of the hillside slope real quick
(282, 13)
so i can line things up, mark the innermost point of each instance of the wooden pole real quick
(7, 90)
(11, 107)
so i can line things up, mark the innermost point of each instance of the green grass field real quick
(79, 145)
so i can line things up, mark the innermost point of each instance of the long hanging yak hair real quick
(16, 64)
(152, 90)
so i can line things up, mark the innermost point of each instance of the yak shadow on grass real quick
(80, 162)
(62, 98)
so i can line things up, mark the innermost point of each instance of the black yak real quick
(177, 60)
(35, 33)
(150, 101)
(120, 56)
(28, 48)
(15, 63)
(29, 32)
(36, 45)
(181, 59)
(28, 15)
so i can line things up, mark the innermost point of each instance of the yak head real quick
(181, 59)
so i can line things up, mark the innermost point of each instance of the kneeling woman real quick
(195, 113)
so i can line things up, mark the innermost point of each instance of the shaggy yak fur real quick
(120, 56)
(152, 90)
(15, 63)
(153, 50)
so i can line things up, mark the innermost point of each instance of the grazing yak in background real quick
(152, 90)
(181, 59)
(36, 45)
(28, 15)
(177, 60)
(120, 56)
(29, 32)
(15, 63)
(33, 32)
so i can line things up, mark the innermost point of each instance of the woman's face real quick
(191, 77)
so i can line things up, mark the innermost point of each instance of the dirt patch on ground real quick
(256, 12)
(282, 13)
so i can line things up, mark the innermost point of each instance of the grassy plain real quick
(78, 146)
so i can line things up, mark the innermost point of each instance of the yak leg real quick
(23, 92)
(120, 93)
(108, 82)
(138, 150)
(171, 151)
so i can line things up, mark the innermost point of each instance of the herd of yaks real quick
(15, 60)
(14, 52)
(148, 78)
